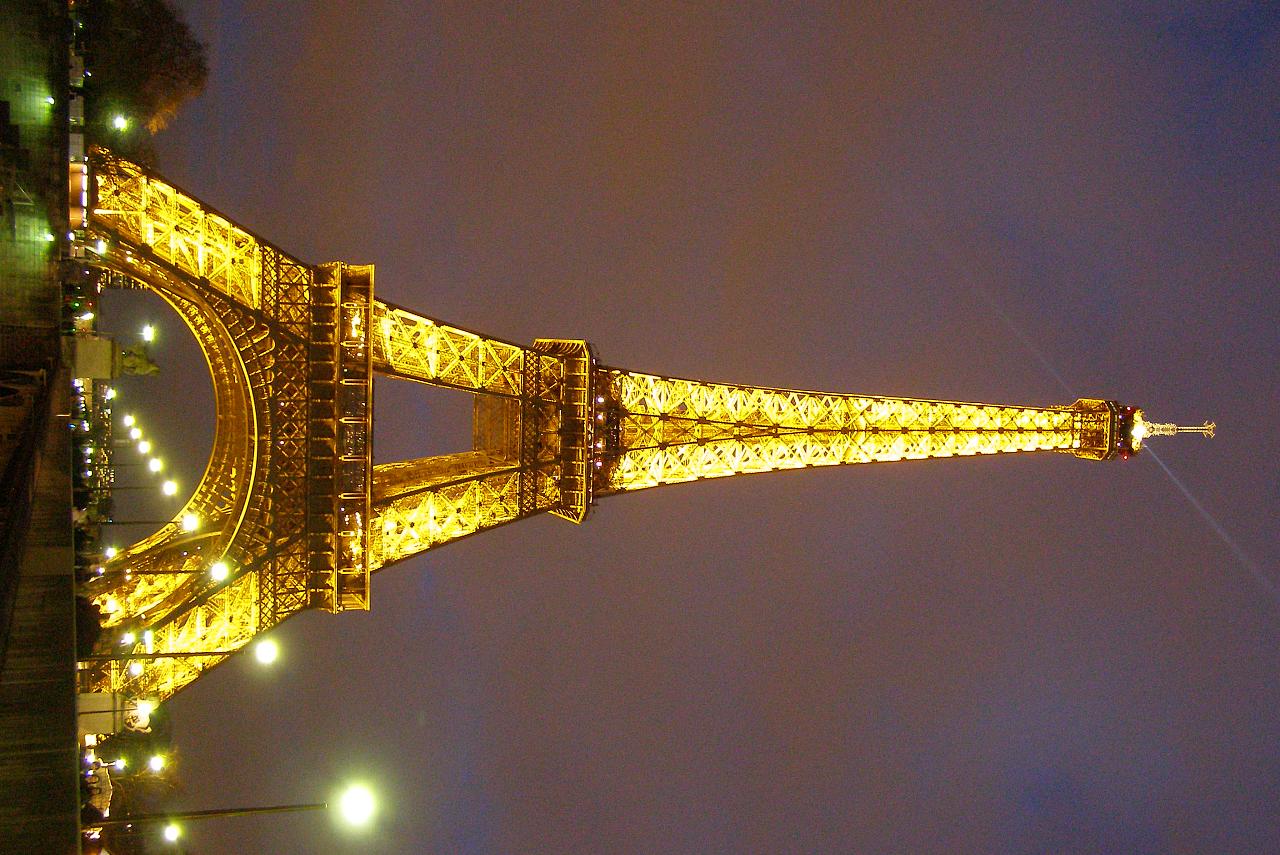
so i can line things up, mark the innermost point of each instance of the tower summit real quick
(295, 515)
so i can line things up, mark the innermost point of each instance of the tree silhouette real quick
(144, 64)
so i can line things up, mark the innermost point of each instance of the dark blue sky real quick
(1023, 205)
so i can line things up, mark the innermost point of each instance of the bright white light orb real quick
(190, 522)
(266, 651)
(119, 123)
(156, 763)
(169, 488)
(219, 571)
(356, 805)
(148, 333)
(144, 447)
(172, 832)
(155, 464)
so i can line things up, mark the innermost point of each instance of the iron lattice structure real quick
(292, 503)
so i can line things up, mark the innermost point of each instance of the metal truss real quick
(180, 229)
(674, 430)
(414, 347)
(428, 516)
(293, 504)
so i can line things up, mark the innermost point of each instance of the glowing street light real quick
(266, 651)
(357, 805)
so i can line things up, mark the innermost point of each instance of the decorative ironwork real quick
(294, 513)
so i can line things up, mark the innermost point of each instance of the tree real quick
(145, 63)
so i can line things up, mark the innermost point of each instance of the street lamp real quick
(266, 651)
(357, 805)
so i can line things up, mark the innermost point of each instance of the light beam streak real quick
(1248, 563)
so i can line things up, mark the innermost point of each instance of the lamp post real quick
(356, 805)
(144, 818)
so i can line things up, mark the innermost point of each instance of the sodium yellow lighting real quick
(357, 805)
(266, 651)
(219, 571)
(169, 488)
(190, 522)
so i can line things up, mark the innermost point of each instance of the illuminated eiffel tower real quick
(293, 514)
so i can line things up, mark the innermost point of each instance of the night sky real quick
(1026, 654)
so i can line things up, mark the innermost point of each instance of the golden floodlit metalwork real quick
(295, 515)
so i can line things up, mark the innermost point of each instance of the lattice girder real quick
(671, 430)
(406, 524)
(293, 503)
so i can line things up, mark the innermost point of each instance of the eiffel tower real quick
(293, 513)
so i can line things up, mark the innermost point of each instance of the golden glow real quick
(552, 431)
(266, 651)
(1139, 432)
(357, 804)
